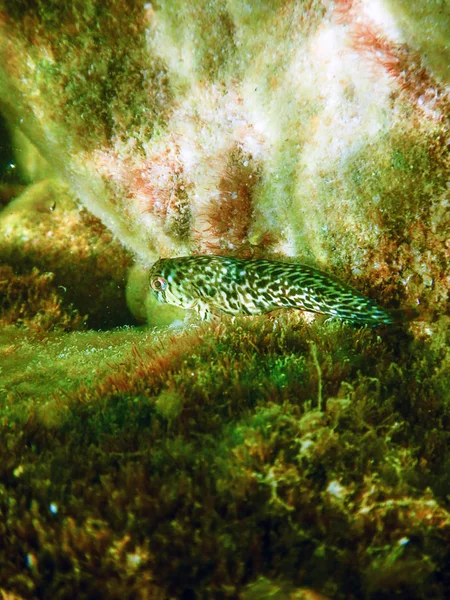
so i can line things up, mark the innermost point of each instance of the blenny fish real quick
(254, 287)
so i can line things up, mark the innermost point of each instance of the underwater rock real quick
(310, 130)
(246, 457)
(425, 25)
(45, 229)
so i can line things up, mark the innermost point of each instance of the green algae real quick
(209, 28)
(58, 257)
(217, 431)
(426, 25)
(72, 36)
(245, 458)
(34, 366)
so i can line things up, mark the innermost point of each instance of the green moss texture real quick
(199, 462)
(147, 455)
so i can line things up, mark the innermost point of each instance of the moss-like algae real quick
(247, 458)
(66, 38)
(235, 472)
(426, 25)
(53, 245)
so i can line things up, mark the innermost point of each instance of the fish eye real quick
(159, 284)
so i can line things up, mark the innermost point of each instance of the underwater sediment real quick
(145, 454)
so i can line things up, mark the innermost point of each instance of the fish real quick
(238, 286)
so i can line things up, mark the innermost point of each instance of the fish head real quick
(171, 282)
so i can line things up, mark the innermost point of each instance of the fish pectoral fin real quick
(204, 311)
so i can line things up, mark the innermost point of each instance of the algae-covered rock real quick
(425, 25)
(29, 164)
(307, 129)
(201, 462)
(246, 457)
(44, 229)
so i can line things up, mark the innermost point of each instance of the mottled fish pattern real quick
(253, 287)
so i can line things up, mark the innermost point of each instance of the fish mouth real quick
(159, 296)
